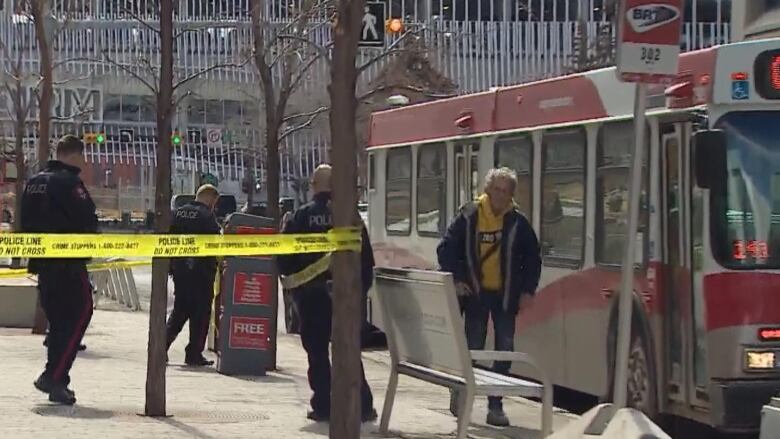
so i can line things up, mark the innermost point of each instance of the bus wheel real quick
(641, 392)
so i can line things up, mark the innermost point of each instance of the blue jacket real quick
(521, 263)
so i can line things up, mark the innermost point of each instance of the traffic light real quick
(394, 25)
(176, 138)
(94, 138)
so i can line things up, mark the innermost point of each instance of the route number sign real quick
(649, 40)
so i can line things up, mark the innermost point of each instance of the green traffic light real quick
(100, 138)
(176, 139)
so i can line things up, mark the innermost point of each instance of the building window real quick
(563, 196)
(516, 153)
(431, 189)
(398, 193)
(613, 175)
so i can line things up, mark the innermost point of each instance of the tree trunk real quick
(345, 394)
(40, 15)
(272, 164)
(156, 364)
(21, 171)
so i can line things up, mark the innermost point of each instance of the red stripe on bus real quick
(741, 298)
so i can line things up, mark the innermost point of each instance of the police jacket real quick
(521, 264)
(55, 200)
(315, 217)
(195, 218)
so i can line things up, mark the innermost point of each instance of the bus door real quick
(677, 278)
(466, 174)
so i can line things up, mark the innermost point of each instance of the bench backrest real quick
(422, 320)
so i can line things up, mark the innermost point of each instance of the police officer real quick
(56, 201)
(313, 297)
(193, 278)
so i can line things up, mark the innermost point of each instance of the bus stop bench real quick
(427, 341)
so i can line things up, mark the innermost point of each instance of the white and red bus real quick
(706, 328)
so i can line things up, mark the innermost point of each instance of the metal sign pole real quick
(627, 274)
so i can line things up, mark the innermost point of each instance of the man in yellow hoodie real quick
(493, 254)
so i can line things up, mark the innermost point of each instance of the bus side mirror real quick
(709, 152)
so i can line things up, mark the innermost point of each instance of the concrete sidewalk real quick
(109, 380)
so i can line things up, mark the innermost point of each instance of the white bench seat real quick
(426, 339)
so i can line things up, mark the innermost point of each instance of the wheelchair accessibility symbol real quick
(740, 90)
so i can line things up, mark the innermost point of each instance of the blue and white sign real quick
(740, 90)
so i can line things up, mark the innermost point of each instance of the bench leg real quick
(387, 409)
(464, 417)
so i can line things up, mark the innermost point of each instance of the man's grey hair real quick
(502, 173)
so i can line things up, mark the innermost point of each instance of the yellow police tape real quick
(35, 245)
(21, 272)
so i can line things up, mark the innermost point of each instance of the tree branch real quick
(207, 70)
(129, 70)
(324, 51)
(391, 49)
(141, 21)
(296, 128)
(404, 87)
(292, 117)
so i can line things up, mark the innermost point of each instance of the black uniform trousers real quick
(66, 299)
(193, 293)
(315, 309)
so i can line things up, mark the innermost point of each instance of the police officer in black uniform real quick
(193, 278)
(314, 301)
(56, 201)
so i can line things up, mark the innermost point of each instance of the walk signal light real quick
(94, 138)
(176, 138)
(394, 25)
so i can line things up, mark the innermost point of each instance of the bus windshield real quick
(746, 211)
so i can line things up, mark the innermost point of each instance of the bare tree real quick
(598, 50)
(41, 15)
(283, 54)
(19, 105)
(345, 397)
(169, 88)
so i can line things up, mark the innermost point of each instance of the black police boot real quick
(44, 383)
(62, 395)
(318, 417)
(369, 416)
(198, 361)
(82, 347)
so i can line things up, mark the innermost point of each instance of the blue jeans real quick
(476, 311)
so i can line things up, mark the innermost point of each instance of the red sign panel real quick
(249, 333)
(649, 39)
(252, 288)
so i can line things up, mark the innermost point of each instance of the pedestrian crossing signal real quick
(94, 138)
(394, 26)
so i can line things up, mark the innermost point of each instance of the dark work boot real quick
(44, 383)
(318, 417)
(62, 395)
(198, 361)
(369, 416)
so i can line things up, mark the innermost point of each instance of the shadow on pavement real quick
(75, 411)
(511, 432)
(188, 429)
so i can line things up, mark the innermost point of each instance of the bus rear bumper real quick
(736, 405)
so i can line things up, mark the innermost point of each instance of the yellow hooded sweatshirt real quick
(489, 230)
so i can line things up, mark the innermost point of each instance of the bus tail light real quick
(756, 360)
(769, 334)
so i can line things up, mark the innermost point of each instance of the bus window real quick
(431, 189)
(563, 196)
(398, 192)
(516, 153)
(613, 175)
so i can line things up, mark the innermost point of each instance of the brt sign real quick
(649, 40)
